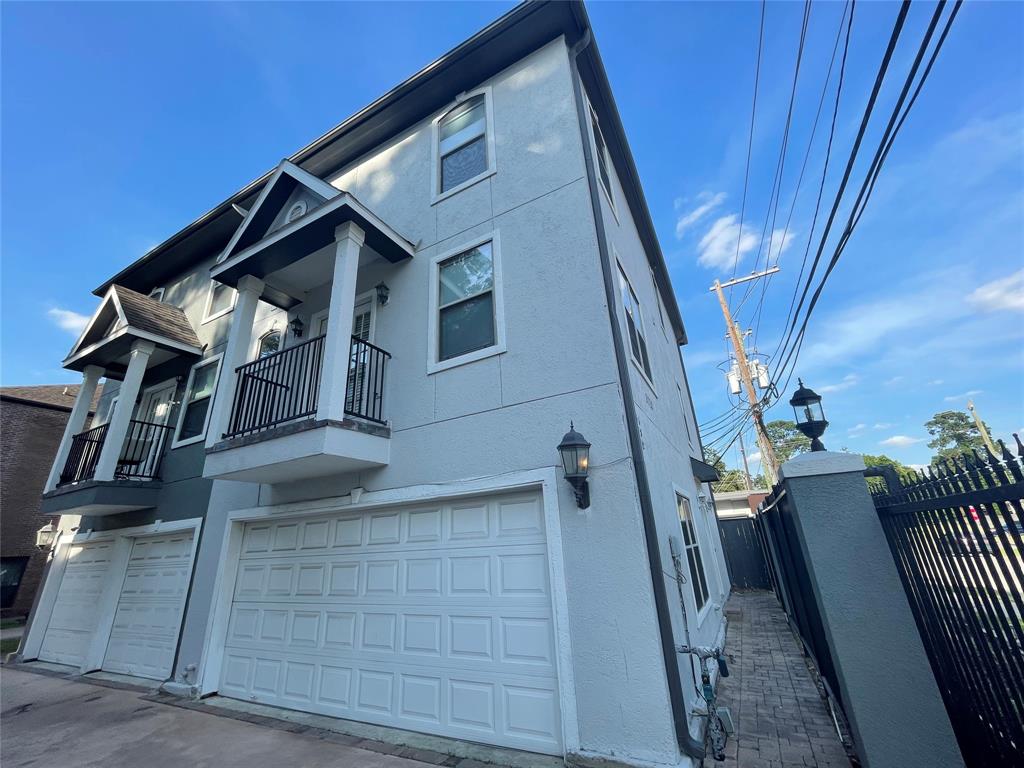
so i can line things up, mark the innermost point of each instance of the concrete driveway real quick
(53, 721)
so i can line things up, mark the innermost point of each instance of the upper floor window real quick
(601, 150)
(269, 344)
(221, 300)
(195, 406)
(634, 325)
(698, 580)
(465, 148)
(466, 313)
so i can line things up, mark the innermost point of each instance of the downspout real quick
(689, 746)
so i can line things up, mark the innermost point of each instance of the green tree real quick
(881, 460)
(953, 432)
(786, 439)
(729, 479)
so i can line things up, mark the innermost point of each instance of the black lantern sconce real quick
(810, 418)
(575, 452)
(297, 327)
(45, 537)
(383, 293)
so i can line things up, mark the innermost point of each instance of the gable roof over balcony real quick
(123, 317)
(518, 33)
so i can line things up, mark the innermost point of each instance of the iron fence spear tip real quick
(1020, 446)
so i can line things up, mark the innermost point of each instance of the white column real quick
(236, 353)
(117, 427)
(76, 422)
(348, 239)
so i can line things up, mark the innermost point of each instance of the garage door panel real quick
(432, 617)
(74, 617)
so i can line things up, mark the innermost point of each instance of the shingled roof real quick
(49, 395)
(146, 314)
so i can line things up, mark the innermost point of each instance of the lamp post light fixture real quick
(575, 452)
(297, 327)
(383, 292)
(45, 537)
(810, 418)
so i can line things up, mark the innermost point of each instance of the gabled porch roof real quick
(124, 317)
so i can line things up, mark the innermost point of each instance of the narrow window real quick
(195, 409)
(682, 410)
(222, 300)
(466, 302)
(269, 344)
(602, 155)
(462, 148)
(634, 324)
(698, 581)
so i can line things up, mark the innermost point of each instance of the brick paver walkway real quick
(781, 720)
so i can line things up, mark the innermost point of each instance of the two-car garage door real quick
(144, 631)
(432, 618)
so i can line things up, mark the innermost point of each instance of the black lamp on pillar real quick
(575, 452)
(810, 418)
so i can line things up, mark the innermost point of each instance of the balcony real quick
(274, 434)
(134, 483)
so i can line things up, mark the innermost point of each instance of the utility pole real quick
(768, 461)
(746, 467)
(981, 428)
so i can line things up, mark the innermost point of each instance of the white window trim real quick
(702, 612)
(609, 195)
(433, 331)
(157, 293)
(436, 195)
(638, 364)
(366, 296)
(183, 405)
(207, 317)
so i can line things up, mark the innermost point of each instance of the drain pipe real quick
(689, 746)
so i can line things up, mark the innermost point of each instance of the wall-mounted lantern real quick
(810, 418)
(575, 452)
(45, 536)
(383, 293)
(297, 327)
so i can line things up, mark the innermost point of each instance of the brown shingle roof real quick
(152, 316)
(60, 395)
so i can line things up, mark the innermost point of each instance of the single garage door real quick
(144, 635)
(432, 618)
(74, 615)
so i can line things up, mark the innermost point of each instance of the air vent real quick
(296, 211)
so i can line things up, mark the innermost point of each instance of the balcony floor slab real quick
(300, 451)
(101, 497)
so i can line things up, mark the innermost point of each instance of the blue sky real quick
(121, 123)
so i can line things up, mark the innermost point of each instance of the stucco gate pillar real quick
(889, 692)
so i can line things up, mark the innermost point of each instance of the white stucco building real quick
(328, 479)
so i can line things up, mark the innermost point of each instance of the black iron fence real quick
(140, 457)
(956, 534)
(283, 387)
(791, 581)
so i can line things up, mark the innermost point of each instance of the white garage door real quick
(148, 618)
(74, 616)
(428, 618)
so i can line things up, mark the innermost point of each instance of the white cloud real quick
(72, 322)
(882, 425)
(755, 456)
(857, 428)
(901, 441)
(1005, 293)
(935, 382)
(849, 380)
(724, 243)
(962, 395)
(779, 244)
(708, 202)
(893, 381)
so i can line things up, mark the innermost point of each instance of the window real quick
(269, 344)
(698, 581)
(11, 571)
(682, 411)
(657, 300)
(195, 407)
(466, 312)
(465, 150)
(601, 150)
(221, 301)
(157, 293)
(635, 325)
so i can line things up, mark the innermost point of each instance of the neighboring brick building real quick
(32, 422)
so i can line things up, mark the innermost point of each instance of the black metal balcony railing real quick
(140, 457)
(283, 387)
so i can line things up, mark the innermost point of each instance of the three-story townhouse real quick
(325, 474)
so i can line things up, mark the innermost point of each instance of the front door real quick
(147, 433)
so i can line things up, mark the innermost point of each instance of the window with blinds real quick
(698, 580)
(462, 148)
